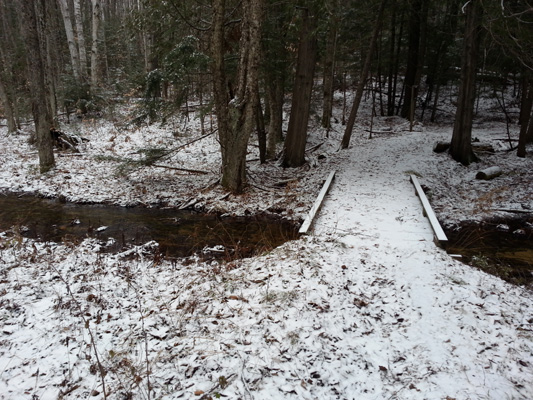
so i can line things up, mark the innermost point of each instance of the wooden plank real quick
(440, 236)
(318, 202)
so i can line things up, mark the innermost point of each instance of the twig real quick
(145, 336)
(101, 368)
(311, 149)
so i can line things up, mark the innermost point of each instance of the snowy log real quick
(489, 173)
(483, 148)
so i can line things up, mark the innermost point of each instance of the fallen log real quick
(441, 147)
(489, 173)
(483, 147)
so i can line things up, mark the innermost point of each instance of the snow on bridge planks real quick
(440, 236)
(318, 202)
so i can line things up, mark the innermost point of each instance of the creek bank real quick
(497, 245)
(179, 233)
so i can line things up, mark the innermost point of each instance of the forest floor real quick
(364, 307)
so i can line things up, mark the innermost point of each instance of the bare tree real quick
(362, 78)
(8, 86)
(525, 114)
(34, 19)
(461, 146)
(294, 149)
(71, 40)
(236, 111)
(329, 68)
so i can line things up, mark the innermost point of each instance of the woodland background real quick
(242, 60)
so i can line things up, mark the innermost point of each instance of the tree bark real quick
(71, 41)
(8, 91)
(461, 146)
(525, 114)
(391, 95)
(33, 16)
(275, 94)
(260, 127)
(329, 74)
(95, 48)
(362, 79)
(236, 116)
(80, 35)
(294, 147)
(8, 107)
(410, 87)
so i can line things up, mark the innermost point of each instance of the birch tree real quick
(71, 40)
(95, 48)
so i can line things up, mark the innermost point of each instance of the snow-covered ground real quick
(364, 307)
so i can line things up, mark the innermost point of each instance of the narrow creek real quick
(179, 233)
(502, 247)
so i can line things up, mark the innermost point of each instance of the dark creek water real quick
(179, 233)
(500, 247)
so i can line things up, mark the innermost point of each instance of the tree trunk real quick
(422, 43)
(362, 79)
(410, 89)
(275, 94)
(80, 35)
(294, 147)
(260, 127)
(461, 146)
(54, 61)
(236, 116)
(8, 91)
(71, 41)
(8, 107)
(329, 74)
(95, 49)
(33, 16)
(525, 114)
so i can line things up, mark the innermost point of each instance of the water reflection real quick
(179, 233)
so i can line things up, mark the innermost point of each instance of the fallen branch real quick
(192, 171)
(311, 149)
(510, 210)
(69, 154)
(67, 144)
(192, 141)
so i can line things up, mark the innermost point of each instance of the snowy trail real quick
(365, 307)
(442, 323)
(372, 194)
